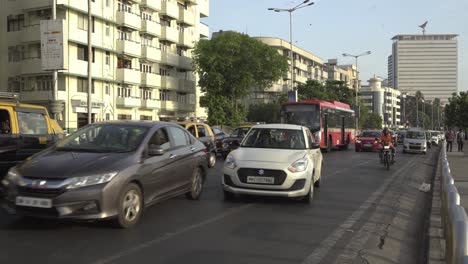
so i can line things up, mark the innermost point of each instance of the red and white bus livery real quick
(331, 122)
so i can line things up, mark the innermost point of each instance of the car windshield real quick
(434, 134)
(415, 135)
(370, 134)
(104, 138)
(240, 132)
(274, 138)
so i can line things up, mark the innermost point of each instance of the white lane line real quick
(168, 236)
(322, 250)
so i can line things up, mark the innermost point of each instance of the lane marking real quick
(322, 250)
(168, 236)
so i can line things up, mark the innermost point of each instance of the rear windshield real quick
(370, 134)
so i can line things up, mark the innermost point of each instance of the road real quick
(247, 230)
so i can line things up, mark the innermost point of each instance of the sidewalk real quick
(459, 167)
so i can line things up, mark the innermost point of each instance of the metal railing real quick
(454, 217)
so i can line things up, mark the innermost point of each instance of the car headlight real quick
(299, 165)
(230, 162)
(225, 145)
(13, 176)
(83, 181)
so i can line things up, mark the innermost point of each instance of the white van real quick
(415, 142)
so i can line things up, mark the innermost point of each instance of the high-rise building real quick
(384, 101)
(426, 63)
(390, 71)
(141, 58)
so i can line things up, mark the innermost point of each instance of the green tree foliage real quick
(331, 90)
(372, 121)
(269, 113)
(456, 111)
(229, 65)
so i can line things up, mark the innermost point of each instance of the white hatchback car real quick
(274, 160)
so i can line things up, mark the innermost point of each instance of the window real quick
(146, 40)
(146, 68)
(15, 23)
(14, 53)
(164, 72)
(124, 63)
(191, 130)
(107, 58)
(164, 95)
(107, 116)
(124, 91)
(93, 50)
(160, 138)
(107, 29)
(82, 22)
(179, 137)
(32, 123)
(82, 85)
(124, 117)
(82, 52)
(5, 127)
(107, 3)
(146, 118)
(201, 131)
(146, 16)
(107, 89)
(146, 94)
(92, 86)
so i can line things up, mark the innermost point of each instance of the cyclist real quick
(387, 140)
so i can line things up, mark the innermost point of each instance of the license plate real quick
(33, 202)
(264, 180)
(367, 145)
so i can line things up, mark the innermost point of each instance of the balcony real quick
(204, 30)
(186, 16)
(31, 33)
(152, 4)
(186, 85)
(31, 66)
(128, 47)
(186, 107)
(169, 83)
(129, 20)
(204, 8)
(150, 53)
(130, 76)
(186, 63)
(128, 102)
(150, 103)
(151, 27)
(169, 58)
(169, 105)
(186, 39)
(170, 34)
(170, 9)
(150, 79)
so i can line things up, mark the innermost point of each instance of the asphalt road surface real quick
(247, 230)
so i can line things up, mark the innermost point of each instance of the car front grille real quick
(278, 175)
(39, 192)
(37, 212)
(298, 185)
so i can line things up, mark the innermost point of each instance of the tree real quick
(373, 121)
(269, 113)
(229, 66)
(456, 111)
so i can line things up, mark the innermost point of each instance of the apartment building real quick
(426, 63)
(382, 100)
(141, 58)
(344, 73)
(307, 66)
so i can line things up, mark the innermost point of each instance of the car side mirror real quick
(155, 150)
(314, 145)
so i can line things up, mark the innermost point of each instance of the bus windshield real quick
(305, 115)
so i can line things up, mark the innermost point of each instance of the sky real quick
(330, 28)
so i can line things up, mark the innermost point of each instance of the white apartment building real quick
(428, 63)
(382, 100)
(307, 66)
(141, 58)
(345, 73)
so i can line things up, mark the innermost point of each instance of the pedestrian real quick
(460, 138)
(449, 139)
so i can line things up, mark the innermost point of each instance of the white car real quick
(435, 137)
(415, 142)
(274, 160)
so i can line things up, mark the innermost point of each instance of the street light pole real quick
(305, 3)
(357, 83)
(417, 112)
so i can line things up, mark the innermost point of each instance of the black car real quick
(108, 171)
(220, 135)
(233, 140)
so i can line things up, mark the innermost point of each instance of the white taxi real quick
(274, 160)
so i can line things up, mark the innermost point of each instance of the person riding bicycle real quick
(387, 140)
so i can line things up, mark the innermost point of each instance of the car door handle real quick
(192, 149)
(172, 156)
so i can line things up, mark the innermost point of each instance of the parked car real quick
(108, 171)
(415, 141)
(234, 139)
(204, 133)
(274, 160)
(366, 141)
(24, 130)
(220, 135)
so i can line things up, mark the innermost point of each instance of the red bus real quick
(331, 122)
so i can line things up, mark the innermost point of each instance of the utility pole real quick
(90, 61)
(54, 72)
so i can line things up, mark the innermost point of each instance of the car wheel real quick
(196, 187)
(212, 160)
(310, 195)
(228, 196)
(317, 183)
(130, 206)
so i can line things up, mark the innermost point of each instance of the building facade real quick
(382, 100)
(141, 58)
(426, 63)
(307, 66)
(344, 73)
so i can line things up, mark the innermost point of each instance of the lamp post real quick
(357, 81)
(403, 95)
(290, 11)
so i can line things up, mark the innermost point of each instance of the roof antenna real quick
(423, 27)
